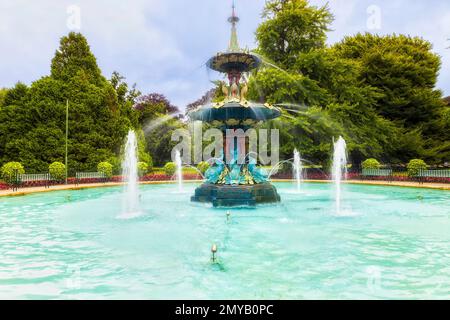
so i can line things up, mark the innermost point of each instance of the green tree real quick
(74, 57)
(290, 28)
(15, 95)
(159, 138)
(404, 70)
(32, 121)
(3, 92)
(377, 92)
(158, 119)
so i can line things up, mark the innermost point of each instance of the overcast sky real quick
(162, 45)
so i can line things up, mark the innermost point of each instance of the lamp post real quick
(67, 133)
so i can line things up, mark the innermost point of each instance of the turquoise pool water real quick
(389, 243)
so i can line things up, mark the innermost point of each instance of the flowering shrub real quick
(85, 180)
(148, 177)
(165, 177)
(156, 177)
(309, 176)
(435, 179)
(40, 183)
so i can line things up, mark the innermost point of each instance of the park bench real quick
(372, 173)
(30, 178)
(79, 176)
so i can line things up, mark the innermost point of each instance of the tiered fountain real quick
(234, 182)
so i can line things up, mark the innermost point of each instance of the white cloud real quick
(162, 44)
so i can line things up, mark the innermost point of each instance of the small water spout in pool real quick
(213, 251)
(298, 168)
(339, 170)
(179, 166)
(130, 173)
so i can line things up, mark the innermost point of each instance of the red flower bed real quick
(87, 180)
(435, 179)
(164, 177)
(155, 177)
(309, 176)
(196, 176)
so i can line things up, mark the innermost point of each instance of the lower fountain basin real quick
(236, 195)
(392, 243)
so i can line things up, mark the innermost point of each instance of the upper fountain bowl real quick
(235, 113)
(239, 61)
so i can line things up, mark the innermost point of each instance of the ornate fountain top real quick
(234, 111)
(234, 59)
(234, 44)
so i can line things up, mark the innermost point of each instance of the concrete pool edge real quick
(404, 184)
(31, 190)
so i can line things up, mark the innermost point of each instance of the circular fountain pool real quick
(389, 243)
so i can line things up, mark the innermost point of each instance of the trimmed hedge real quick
(105, 168)
(203, 166)
(170, 168)
(371, 164)
(414, 166)
(57, 170)
(142, 168)
(8, 170)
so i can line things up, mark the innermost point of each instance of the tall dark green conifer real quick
(32, 122)
(75, 57)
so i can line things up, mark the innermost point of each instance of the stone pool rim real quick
(32, 190)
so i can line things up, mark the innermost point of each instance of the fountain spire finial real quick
(234, 44)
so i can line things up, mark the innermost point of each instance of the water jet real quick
(298, 168)
(339, 170)
(179, 166)
(130, 175)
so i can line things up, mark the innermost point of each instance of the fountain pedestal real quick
(240, 195)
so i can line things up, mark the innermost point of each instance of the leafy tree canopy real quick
(378, 92)
(291, 27)
(152, 105)
(74, 57)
